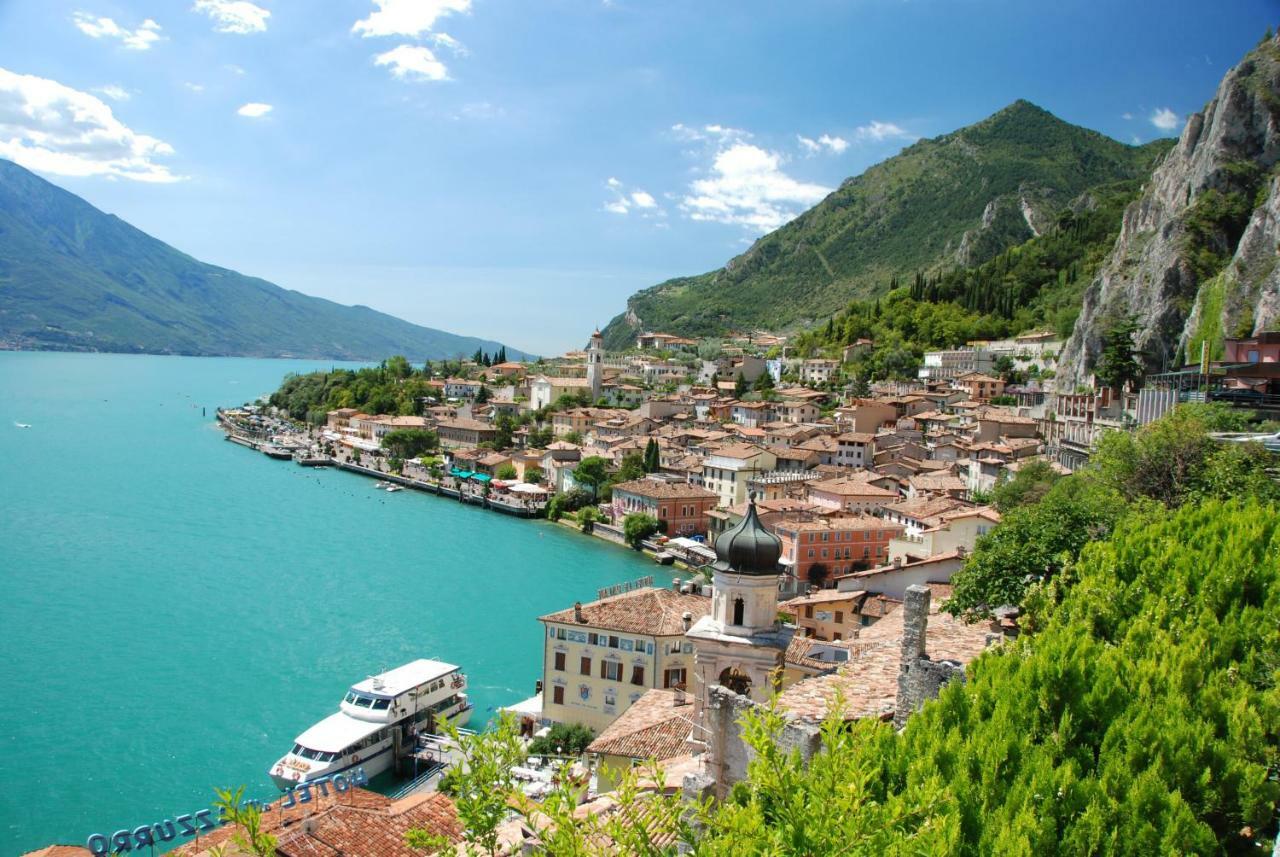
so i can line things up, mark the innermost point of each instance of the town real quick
(820, 529)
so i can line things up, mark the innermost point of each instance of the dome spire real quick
(748, 548)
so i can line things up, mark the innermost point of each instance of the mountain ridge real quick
(957, 199)
(73, 277)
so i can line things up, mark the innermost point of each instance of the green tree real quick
(410, 443)
(533, 474)
(1033, 543)
(740, 386)
(637, 527)
(1027, 487)
(587, 518)
(632, 467)
(764, 383)
(483, 395)
(398, 367)
(503, 428)
(506, 472)
(591, 473)
(652, 462)
(1120, 364)
(564, 739)
(247, 818)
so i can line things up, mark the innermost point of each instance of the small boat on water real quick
(375, 720)
(272, 451)
(391, 488)
(22, 425)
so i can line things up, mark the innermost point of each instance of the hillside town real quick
(820, 526)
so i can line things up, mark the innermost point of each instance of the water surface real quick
(175, 608)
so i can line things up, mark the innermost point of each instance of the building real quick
(1262, 348)
(818, 370)
(979, 386)
(959, 530)
(545, 390)
(855, 449)
(655, 727)
(740, 645)
(831, 615)
(894, 579)
(461, 388)
(464, 433)
(815, 550)
(946, 365)
(727, 470)
(680, 508)
(599, 658)
(849, 494)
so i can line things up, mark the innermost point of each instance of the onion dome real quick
(748, 548)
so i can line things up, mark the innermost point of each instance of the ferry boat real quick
(377, 719)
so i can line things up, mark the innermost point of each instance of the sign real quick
(205, 820)
(619, 588)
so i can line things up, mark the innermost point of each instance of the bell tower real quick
(740, 645)
(595, 365)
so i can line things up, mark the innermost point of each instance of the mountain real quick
(74, 278)
(1196, 258)
(958, 199)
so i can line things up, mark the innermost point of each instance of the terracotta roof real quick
(465, 425)
(657, 612)
(737, 450)
(869, 680)
(925, 509)
(654, 727)
(825, 596)
(858, 522)
(60, 851)
(856, 437)
(851, 487)
(663, 489)
(348, 830)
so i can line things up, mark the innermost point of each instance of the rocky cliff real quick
(1196, 257)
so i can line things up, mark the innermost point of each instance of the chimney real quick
(577, 612)
(675, 585)
(897, 562)
(688, 620)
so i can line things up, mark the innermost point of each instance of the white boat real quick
(391, 488)
(22, 425)
(378, 718)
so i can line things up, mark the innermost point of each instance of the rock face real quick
(1196, 257)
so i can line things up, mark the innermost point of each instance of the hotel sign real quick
(201, 821)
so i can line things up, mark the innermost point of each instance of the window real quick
(839, 617)
(381, 704)
(351, 697)
(561, 634)
(739, 609)
(557, 695)
(639, 645)
(363, 702)
(673, 677)
(586, 666)
(613, 642)
(559, 663)
(808, 611)
(611, 670)
(592, 639)
(637, 675)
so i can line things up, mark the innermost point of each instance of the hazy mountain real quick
(75, 278)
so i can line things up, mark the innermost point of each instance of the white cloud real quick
(53, 128)
(141, 39)
(236, 70)
(878, 132)
(1126, 116)
(712, 133)
(254, 110)
(115, 93)
(194, 87)
(407, 17)
(234, 16)
(835, 145)
(413, 62)
(1164, 119)
(444, 40)
(747, 187)
(625, 200)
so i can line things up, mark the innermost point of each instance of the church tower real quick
(595, 365)
(740, 645)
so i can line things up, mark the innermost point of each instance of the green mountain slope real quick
(958, 199)
(75, 278)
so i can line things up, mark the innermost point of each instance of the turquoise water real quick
(175, 608)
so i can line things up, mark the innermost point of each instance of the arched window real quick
(739, 609)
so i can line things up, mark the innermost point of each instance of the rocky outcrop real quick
(1185, 264)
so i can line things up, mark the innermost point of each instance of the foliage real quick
(1028, 486)
(506, 472)
(249, 837)
(1035, 542)
(906, 214)
(1120, 364)
(410, 443)
(1173, 460)
(591, 473)
(533, 474)
(637, 527)
(481, 785)
(652, 459)
(588, 516)
(564, 739)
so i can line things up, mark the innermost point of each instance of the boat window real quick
(351, 697)
(363, 702)
(381, 704)
(297, 749)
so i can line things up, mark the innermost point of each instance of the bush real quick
(637, 527)
(564, 739)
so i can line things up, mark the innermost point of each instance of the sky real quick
(514, 169)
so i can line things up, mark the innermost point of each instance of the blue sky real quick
(516, 168)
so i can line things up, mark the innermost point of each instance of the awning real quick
(481, 477)
(461, 474)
